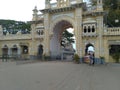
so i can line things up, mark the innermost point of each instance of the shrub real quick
(76, 58)
(116, 57)
(101, 57)
(45, 57)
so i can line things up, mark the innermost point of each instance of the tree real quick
(115, 52)
(76, 58)
(116, 57)
(13, 26)
(67, 38)
(93, 2)
(112, 7)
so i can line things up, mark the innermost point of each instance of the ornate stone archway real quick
(58, 26)
(55, 19)
(66, 11)
(61, 18)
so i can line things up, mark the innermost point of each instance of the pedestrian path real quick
(57, 75)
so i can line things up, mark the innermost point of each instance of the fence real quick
(96, 60)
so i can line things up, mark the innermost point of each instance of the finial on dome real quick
(35, 13)
(35, 9)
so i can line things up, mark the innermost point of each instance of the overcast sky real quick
(20, 10)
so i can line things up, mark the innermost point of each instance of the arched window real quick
(93, 29)
(85, 29)
(99, 1)
(14, 50)
(40, 49)
(25, 49)
(5, 50)
(5, 46)
(14, 46)
(87, 46)
(38, 32)
(89, 30)
(42, 32)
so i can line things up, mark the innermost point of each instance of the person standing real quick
(91, 55)
(91, 58)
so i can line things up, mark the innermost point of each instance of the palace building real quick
(47, 28)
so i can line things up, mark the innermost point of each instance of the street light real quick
(116, 21)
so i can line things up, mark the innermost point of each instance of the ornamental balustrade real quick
(62, 3)
(112, 31)
(15, 37)
(39, 33)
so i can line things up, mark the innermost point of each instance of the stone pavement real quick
(57, 75)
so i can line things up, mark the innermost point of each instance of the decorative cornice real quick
(63, 9)
(88, 35)
(37, 21)
(93, 13)
(104, 35)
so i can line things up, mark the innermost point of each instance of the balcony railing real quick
(89, 34)
(39, 36)
(71, 2)
(20, 37)
(112, 31)
(53, 5)
(15, 36)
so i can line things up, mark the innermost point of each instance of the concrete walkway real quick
(59, 76)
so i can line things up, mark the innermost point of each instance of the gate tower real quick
(86, 21)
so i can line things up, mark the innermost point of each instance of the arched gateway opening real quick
(89, 47)
(56, 49)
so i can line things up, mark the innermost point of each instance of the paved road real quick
(59, 76)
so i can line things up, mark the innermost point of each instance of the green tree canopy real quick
(13, 26)
(67, 38)
(112, 9)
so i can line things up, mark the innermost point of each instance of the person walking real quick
(91, 55)
(91, 58)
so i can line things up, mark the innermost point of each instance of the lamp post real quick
(116, 21)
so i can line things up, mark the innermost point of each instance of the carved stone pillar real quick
(78, 31)
(47, 36)
(100, 36)
(99, 5)
(9, 51)
(35, 14)
(19, 51)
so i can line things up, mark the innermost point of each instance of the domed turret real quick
(47, 3)
(35, 13)
(99, 5)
